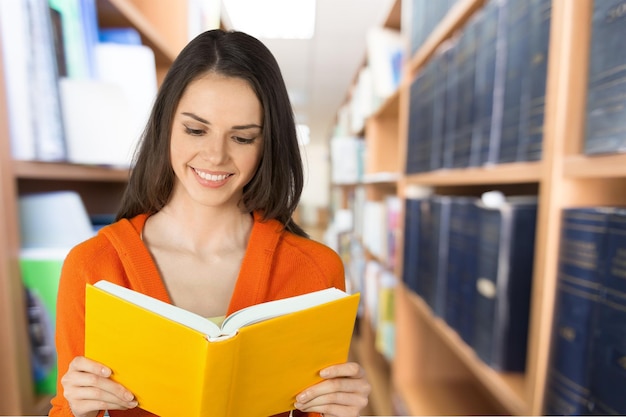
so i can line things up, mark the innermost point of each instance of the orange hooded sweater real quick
(277, 264)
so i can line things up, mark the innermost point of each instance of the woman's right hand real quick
(88, 389)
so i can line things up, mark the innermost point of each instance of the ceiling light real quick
(273, 19)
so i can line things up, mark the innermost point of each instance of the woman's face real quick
(216, 142)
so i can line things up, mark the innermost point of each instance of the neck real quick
(202, 228)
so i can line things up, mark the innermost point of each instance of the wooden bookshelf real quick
(434, 372)
(163, 27)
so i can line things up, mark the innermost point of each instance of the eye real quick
(243, 141)
(194, 132)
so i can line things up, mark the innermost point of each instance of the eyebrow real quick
(238, 127)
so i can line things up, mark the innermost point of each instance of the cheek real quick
(251, 161)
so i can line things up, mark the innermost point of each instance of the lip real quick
(210, 183)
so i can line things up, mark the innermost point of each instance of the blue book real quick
(608, 376)
(534, 83)
(462, 148)
(449, 83)
(461, 270)
(440, 211)
(412, 211)
(420, 123)
(515, 68)
(608, 370)
(414, 126)
(606, 89)
(426, 251)
(485, 82)
(580, 278)
(505, 266)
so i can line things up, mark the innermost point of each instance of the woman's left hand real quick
(343, 393)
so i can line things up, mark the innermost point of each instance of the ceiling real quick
(319, 72)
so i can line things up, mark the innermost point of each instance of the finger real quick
(352, 400)
(83, 364)
(348, 391)
(83, 380)
(347, 370)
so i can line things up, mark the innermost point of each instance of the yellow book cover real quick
(180, 364)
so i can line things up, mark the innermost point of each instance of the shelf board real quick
(378, 373)
(507, 388)
(389, 108)
(443, 398)
(595, 166)
(64, 171)
(123, 13)
(513, 173)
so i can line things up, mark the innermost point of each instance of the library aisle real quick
(479, 206)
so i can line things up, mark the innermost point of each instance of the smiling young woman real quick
(206, 220)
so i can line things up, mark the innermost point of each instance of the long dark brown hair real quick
(275, 189)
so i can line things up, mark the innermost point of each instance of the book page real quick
(169, 311)
(270, 309)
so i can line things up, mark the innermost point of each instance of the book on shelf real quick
(582, 248)
(586, 372)
(411, 232)
(444, 104)
(79, 22)
(606, 98)
(462, 147)
(484, 83)
(435, 296)
(385, 56)
(534, 89)
(34, 109)
(504, 280)
(516, 71)
(461, 271)
(608, 377)
(179, 363)
(40, 269)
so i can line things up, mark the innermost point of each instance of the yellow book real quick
(177, 363)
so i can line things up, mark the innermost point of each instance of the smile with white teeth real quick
(210, 177)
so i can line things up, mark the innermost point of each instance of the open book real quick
(178, 363)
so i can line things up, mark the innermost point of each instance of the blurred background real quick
(465, 158)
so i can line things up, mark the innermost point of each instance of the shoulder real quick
(98, 254)
(316, 257)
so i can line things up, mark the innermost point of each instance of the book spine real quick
(485, 80)
(515, 272)
(441, 237)
(416, 125)
(411, 243)
(45, 96)
(460, 272)
(608, 377)
(451, 108)
(18, 75)
(426, 250)
(443, 73)
(534, 105)
(606, 90)
(505, 262)
(517, 59)
(580, 276)
(467, 67)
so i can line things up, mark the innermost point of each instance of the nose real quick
(215, 149)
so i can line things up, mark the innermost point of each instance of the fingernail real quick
(133, 404)
(301, 398)
(105, 372)
(324, 373)
(128, 396)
